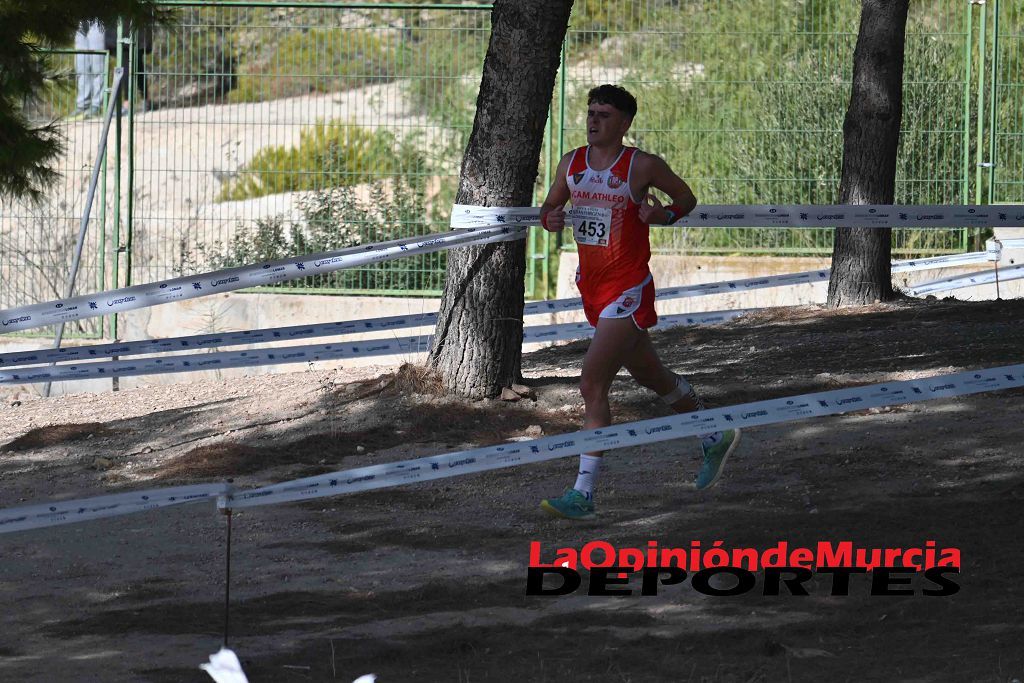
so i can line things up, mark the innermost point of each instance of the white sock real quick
(684, 390)
(587, 477)
(681, 390)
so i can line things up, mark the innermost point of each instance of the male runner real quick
(612, 211)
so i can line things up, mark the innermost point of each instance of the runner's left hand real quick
(651, 211)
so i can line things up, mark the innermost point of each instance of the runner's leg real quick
(647, 369)
(614, 339)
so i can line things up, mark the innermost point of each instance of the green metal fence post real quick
(992, 163)
(561, 99)
(968, 58)
(979, 161)
(531, 262)
(546, 239)
(129, 40)
(115, 234)
(561, 124)
(980, 113)
(101, 273)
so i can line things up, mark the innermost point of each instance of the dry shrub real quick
(415, 379)
(408, 380)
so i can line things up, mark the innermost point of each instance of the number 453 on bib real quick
(591, 225)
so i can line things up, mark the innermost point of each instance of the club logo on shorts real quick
(628, 302)
(614, 181)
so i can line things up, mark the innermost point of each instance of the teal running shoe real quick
(715, 456)
(572, 505)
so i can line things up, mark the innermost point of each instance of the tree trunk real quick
(479, 337)
(861, 270)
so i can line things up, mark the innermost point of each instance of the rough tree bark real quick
(861, 270)
(478, 341)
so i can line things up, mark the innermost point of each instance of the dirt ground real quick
(427, 582)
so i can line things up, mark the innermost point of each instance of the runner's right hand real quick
(554, 220)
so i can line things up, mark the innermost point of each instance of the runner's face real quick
(605, 125)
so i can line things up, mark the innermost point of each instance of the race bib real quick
(591, 225)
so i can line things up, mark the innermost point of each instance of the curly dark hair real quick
(615, 95)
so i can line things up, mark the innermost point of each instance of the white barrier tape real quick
(747, 284)
(960, 281)
(787, 216)
(56, 513)
(142, 296)
(857, 216)
(305, 354)
(993, 250)
(182, 288)
(215, 361)
(773, 411)
(371, 325)
(423, 319)
(947, 261)
(481, 225)
(994, 247)
(759, 413)
(473, 216)
(205, 341)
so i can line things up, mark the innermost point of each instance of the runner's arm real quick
(552, 211)
(659, 175)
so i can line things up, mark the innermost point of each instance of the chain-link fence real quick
(258, 130)
(1006, 123)
(275, 129)
(746, 100)
(37, 240)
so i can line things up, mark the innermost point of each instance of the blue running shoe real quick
(572, 505)
(715, 455)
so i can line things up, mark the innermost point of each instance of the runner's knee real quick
(593, 390)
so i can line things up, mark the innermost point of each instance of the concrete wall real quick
(236, 311)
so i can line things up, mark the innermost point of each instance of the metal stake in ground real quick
(113, 105)
(227, 580)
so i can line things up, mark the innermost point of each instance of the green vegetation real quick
(196, 61)
(595, 20)
(328, 155)
(58, 94)
(314, 60)
(748, 104)
(745, 98)
(444, 55)
(336, 218)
